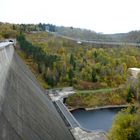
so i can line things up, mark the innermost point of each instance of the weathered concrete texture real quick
(25, 112)
(79, 134)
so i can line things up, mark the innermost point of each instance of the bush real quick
(126, 126)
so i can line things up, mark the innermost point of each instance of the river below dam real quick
(96, 119)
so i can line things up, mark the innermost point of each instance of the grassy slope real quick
(104, 90)
(94, 98)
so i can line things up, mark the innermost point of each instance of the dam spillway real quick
(26, 113)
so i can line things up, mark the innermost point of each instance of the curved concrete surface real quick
(25, 112)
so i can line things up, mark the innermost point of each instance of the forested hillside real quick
(63, 62)
(89, 35)
(8, 30)
(81, 34)
(60, 62)
(132, 37)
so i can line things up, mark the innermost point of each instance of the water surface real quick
(95, 119)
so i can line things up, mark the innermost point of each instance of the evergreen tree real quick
(72, 61)
(71, 75)
(94, 76)
(41, 67)
(130, 94)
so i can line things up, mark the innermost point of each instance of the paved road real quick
(96, 41)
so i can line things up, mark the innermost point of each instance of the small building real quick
(133, 80)
(134, 72)
(47, 28)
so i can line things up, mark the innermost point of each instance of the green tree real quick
(71, 76)
(94, 76)
(41, 67)
(72, 61)
(126, 126)
(130, 95)
(50, 79)
(95, 54)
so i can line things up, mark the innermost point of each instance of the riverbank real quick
(97, 99)
(98, 107)
(107, 107)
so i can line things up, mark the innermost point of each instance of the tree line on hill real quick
(8, 30)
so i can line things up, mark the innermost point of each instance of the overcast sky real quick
(106, 16)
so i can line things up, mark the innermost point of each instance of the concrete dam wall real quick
(26, 113)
